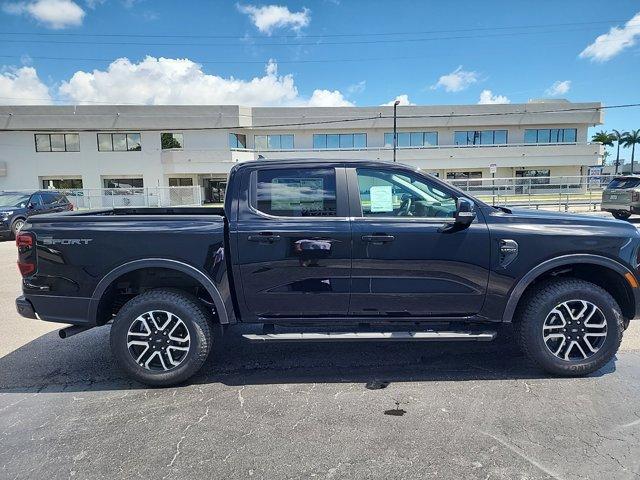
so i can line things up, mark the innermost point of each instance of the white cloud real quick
(608, 45)
(487, 97)
(56, 14)
(162, 81)
(357, 87)
(403, 99)
(21, 86)
(327, 98)
(270, 17)
(457, 80)
(558, 88)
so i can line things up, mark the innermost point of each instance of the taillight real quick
(26, 253)
(635, 197)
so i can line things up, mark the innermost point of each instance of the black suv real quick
(15, 207)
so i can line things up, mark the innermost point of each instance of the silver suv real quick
(622, 196)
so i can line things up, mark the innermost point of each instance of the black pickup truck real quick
(333, 251)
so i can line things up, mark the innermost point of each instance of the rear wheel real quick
(621, 215)
(161, 337)
(569, 326)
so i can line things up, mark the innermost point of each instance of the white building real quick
(93, 147)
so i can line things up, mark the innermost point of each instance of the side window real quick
(301, 192)
(48, 198)
(385, 193)
(36, 199)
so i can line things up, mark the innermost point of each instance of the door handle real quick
(264, 237)
(378, 238)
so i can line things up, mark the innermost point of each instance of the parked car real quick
(16, 207)
(333, 251)
(622, 196)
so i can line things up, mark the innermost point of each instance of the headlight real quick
(6, 214)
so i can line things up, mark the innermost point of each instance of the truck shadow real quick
(84, 363)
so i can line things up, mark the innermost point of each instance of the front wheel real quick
(569, 326)
(161, 337)
(621, 215)
(17, 225)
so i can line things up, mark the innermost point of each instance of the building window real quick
(180, 182)
(534, 177)
(237, 140)
(299, 192)
(463, 175)
(57, 142)
(412, 139)
(122, 182)
(273, 142)
(480, 137)
(343, 140)
(62, 183)
(119, 142)
(550, 135)
(464, 179)
(171, 140)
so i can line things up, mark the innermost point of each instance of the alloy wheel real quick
(574, 330)
(158, 340)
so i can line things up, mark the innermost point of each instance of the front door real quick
(294, 243)
(403, 263)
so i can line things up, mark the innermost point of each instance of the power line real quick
(326, 122)
(289, 44)
(325, 35)
(243, 62)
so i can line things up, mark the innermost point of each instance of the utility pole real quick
(395, 131)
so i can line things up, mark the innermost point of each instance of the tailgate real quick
(618, 195)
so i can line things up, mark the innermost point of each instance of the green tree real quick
(605, 138)
(630, 139)
(618, 136)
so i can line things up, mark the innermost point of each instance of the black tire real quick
(533, 312)
(189, 310)
(621, 215)
(17, 225)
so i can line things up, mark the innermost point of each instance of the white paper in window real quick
(381, 198)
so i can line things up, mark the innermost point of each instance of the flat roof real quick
(177, 117)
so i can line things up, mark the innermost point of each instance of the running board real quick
(486, 336)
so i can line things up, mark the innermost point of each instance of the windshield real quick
(620, 183)
(13, 199)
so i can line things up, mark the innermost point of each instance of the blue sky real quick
(320, 52)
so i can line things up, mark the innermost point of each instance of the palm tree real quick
(618, 136)
(630, 139)
(604, 138)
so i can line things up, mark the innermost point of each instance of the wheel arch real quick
(580, 262)
(164, 263)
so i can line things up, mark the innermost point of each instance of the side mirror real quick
(465, 212)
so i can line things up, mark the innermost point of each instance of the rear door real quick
(294, 242)
(404, 264)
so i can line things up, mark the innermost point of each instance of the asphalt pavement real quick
(366, 410)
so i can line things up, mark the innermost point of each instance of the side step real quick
(486, 336)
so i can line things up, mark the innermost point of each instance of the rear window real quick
(301, 192)
(621, 183)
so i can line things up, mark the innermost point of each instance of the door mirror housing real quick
(465, 212)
